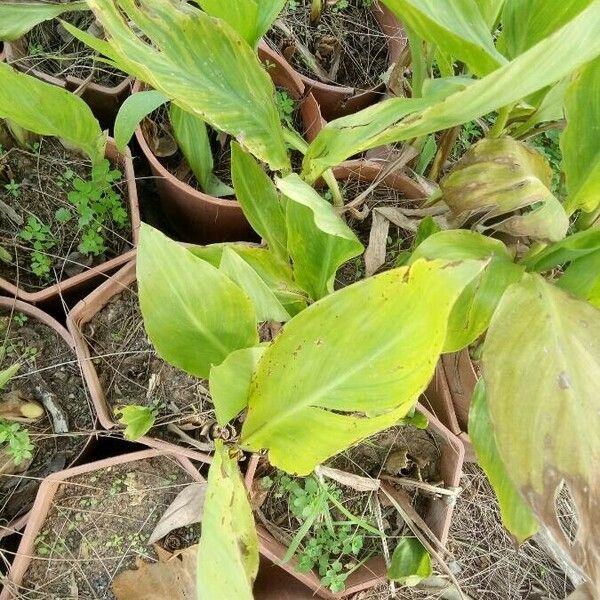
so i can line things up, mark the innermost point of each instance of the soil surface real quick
(99, 523)
(36, 183)
(399, 239)
(130, 372)
(399, 452)
(347, 43)
(51, 49)
(48, 369)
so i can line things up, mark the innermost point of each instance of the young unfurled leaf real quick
(137, 419)
(351, 364)
(503, 185)
(7, 374)
(228, 550)
(411, 562)
(194, 314)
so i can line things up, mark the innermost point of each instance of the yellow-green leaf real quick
(410, 563)
(194, 315)
(228, 550)
(64, 114)
(200, 63)
(7, 374)
(351, 364)
(138, 420)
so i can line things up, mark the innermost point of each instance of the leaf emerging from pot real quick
(502, 185)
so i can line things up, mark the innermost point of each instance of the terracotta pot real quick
(338, 101)
(438, 518)
(366, 170)
(200, 218)
(83, 313)
(104, 101)
(274, 583)
(43, 503)
(449, 395)
(77, 283)
(38, 315)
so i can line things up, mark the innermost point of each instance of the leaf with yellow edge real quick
(541, 365)
(351, 364)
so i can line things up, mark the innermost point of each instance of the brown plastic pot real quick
(449, 395)
(438, 518)
(104, 101)
(38, 315)
(338, 101)
(43, 503)
(81, 281)
(82, 313)
(201, 218)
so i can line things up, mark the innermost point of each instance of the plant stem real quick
(418, 60)
(316, 9)
(500, 124)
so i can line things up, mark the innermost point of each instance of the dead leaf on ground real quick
(186, 509)
(376, 250)
(172, 577)
(356, 482)
(397, 217)
(15, 407)
(8, 466)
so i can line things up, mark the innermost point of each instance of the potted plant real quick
(314, 525)
(67, 219)
(45, 421)
(201, 208)
(341, 49)
(41, 47)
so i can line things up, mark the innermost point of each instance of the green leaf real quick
(268, 10)
(194, 315)
(242, 15)
(546, 413)
(228, 550)
(135, 108)
(582, 278)
(65, 115)
(258, 198)
(527, 22)
(516, 515)
(502, 185)
(319, 242)
(545, 63)
(138, 420)
(192, 138)
(411, 562)
(476, 304)
(230, 382)
(580, 141)
(17, 18)
(266, 304)
(351, 364)
(491, 9)
(7, 374)
(200, 63)
(457, 27)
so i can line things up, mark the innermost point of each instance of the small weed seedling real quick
(13, 188)
(41, 239)
(285, 106)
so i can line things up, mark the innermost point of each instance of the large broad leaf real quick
(516, 514)
(319, 242)
(274, 272)
(198, 62)
(64, 115)
(230, 382)
(545, 63)
(476, 304)
(457, 27)
(194, 314)
(192, 138)
(228, 549)
(250, 18)
(259, 200)
(135, 108)
(527, 22)
(490, 9)
(582, 278)
(580, 142)
(551, 108)
(266, 304)
(410, 563)
(352, 364)
(17, 18)
(503, 185)
(541, 365)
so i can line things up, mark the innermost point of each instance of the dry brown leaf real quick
(8, 466)
(397, 217)
(172, 577)
(356, 482)
(14, 407)
(186, 509)
(375, 252)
